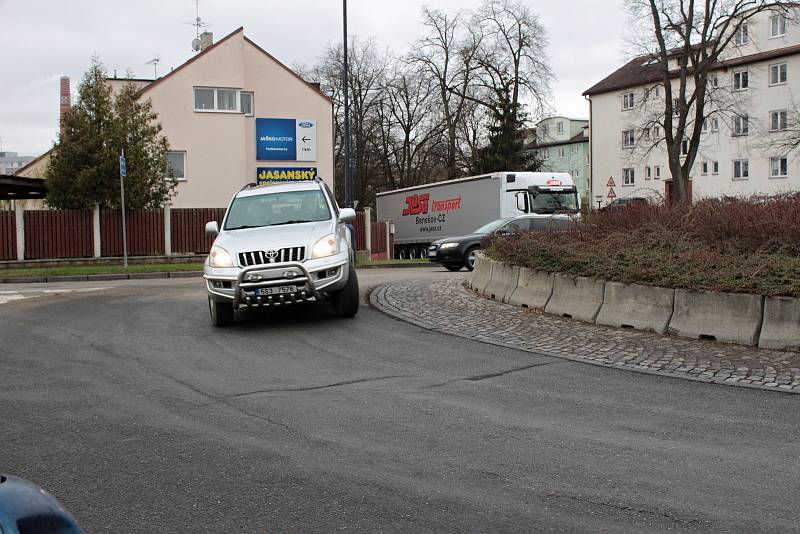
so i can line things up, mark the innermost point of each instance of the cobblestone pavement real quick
(449, 307)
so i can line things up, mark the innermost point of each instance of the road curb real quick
(100, 277)
(409, 318)
(397, 266)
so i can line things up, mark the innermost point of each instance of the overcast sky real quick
(42, 40)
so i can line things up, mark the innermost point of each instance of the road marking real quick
(9, 296)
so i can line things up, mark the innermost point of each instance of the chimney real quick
(65, 100)
(206, 40)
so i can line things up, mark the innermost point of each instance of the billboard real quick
(273, 175)
(286, 140)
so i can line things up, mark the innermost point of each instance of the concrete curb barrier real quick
(534, 289)
(781, 327)
(502, 282)
(731, 317)
(482, 273)
(576, 296)
(636, 306)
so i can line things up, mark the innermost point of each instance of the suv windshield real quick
(272, 209)
(547, 202)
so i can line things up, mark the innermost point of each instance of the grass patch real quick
(100, 269)
(740, 246)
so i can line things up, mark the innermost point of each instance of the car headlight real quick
(325, 247)
(219, 257)
(447, 245)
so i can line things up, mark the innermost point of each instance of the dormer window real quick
(741, 37)
(777, 26)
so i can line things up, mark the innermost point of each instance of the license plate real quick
(280, 290)
(432, 254)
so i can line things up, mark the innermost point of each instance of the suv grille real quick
(262, 257)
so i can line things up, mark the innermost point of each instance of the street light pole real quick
(348, 175)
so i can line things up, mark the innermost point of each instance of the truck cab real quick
(543, 194)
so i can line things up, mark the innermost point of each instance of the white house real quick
(756, 94)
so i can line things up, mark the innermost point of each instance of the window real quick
(203, 98)
(576, 173)
(714, 124)
(648, 173)
(741, 125)
(545, 153)
(741, 80)
(220, 100)
(628, 177)
(705, 125)
(560, 153)
(560, 126)
(741, 169)
(177, 162)
(627, 101)
(574, 149)
(657, 91)
(777, 74)
(777, 120)
(778, 167)
(545, 129)
(684, 147)
(777, 26)
(714, 80)
(656, 132)
(247, 103)
(741, 34)
(646, 134)
(628, 139)
(704, 168)
(657, 172)
(715, 167)
(676, 106)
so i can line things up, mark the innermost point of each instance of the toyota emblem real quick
(271, 255)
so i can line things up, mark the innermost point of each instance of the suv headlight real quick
(219, 257)
(325, 247)
(448, 245)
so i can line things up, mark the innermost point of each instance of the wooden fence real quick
(8, 235)
(145, 230)
(53, 234)
(360, 228)
(188, 226)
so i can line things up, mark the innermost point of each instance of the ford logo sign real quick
(305, 124)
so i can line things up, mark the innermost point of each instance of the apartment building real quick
(563, 146)
(11, 162)
(744, 146)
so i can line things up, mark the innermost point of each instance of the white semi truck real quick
(425, 213)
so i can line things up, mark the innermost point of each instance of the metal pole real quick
(348, 175)
(122, 197)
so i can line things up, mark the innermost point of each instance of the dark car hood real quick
(460, 239)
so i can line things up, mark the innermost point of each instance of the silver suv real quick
(278, 245)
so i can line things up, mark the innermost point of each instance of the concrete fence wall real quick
(768, 322)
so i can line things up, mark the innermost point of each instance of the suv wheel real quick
(469, 258)
(345, 301)
(221, 312)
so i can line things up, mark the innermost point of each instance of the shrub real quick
(739, 245)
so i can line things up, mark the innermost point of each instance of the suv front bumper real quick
(312, 280)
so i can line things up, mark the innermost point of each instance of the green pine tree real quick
(84, 163)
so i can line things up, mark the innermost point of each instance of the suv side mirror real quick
(212, 228)
(347, 215)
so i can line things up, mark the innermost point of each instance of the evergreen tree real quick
(84, 163)
(506, 150)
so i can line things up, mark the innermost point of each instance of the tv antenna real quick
(198, 24)
(154, 63)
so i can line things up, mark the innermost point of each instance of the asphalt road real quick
(140, 417)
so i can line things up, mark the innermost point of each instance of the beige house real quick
(233, 112)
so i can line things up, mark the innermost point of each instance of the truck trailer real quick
(425, 213)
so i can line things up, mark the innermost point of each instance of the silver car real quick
(279, 245)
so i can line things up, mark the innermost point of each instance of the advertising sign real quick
(273, 175)
(286, 140)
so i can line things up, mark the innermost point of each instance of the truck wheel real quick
(469, 258)
(345, 301)
(221, 312)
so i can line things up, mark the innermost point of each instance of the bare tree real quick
(686, 44)
(447, 56)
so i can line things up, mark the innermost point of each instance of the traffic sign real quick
(610, 182)
(611, 194)
(123, 168)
